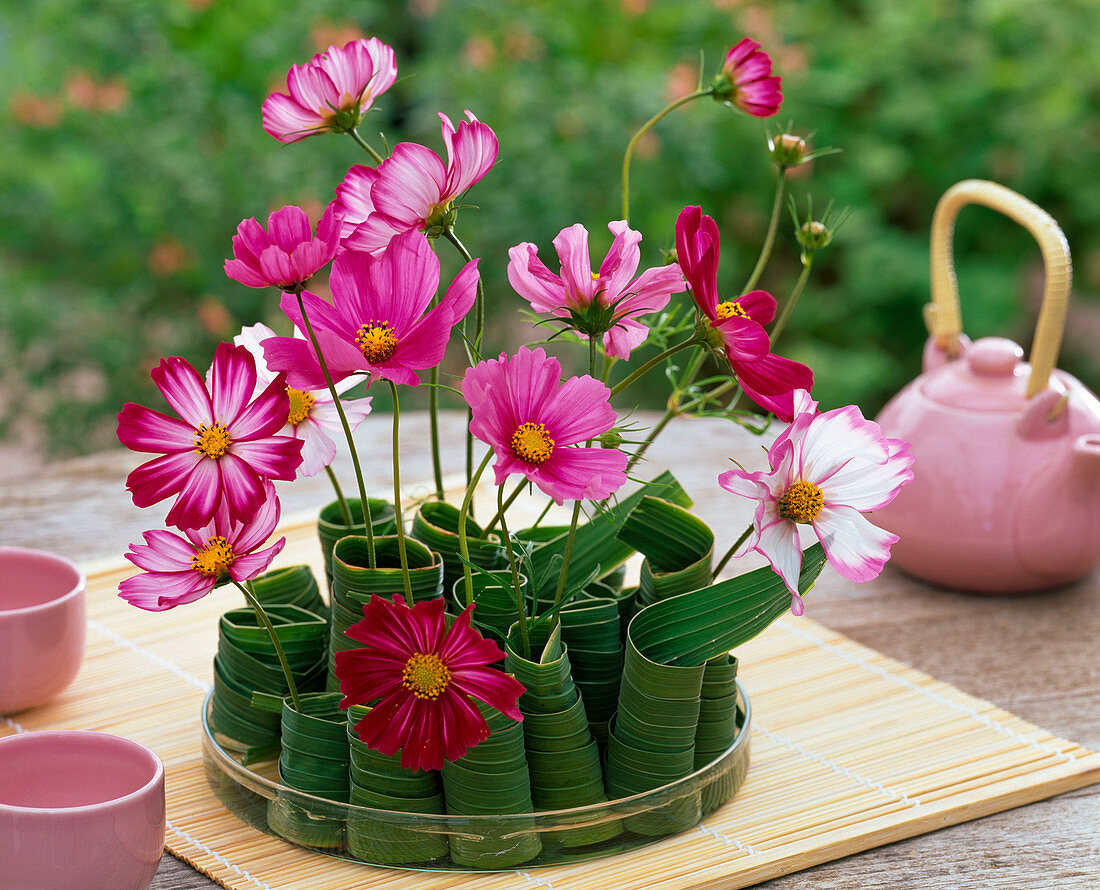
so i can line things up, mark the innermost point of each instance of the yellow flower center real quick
(212, 441)
(729, 309)
(425, 676)
(301, 402)
(532, 443)
(376, 341)
(801, 502)
(214, 559)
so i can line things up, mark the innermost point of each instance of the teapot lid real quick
(991, 376)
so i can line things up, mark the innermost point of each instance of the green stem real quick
(567, 555)
(261, 615)
(363, 144)
(722, 562)
(345, 510)
(463, 544)
(479, 325)
(433, 430)
(542, 515)
(367, 530)
(507, 504)
(645, 128)
(650, 365)
(521, 607)
(769, 239)
(796, 292)
(397, 498)
(670, 412)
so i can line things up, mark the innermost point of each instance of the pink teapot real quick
(1006, 494)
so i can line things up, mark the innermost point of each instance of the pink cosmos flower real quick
(827, 470)
(376, 323)
(331, 92)
(747, 81)
(181, 569)
(619, 299)
(222, 449)
(420, 675)
(520, 407)
(287, 255)
(313, 417)
(737, 325)
(413, 188)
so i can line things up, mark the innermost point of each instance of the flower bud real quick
(814, 235)
(787, 150)
(613, 438)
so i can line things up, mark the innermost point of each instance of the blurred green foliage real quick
(133, 148)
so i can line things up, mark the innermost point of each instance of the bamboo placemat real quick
(850, 750)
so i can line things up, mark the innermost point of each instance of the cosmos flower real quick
(420, 676)
(331, 92)
(747, 81)
(606, 303)
(532, 421)
(221, 450)
(287, 254)
(181, 569)
(827, 470)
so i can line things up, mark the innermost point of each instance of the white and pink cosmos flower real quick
(313, 417)
(613, 289)
(535, 424)
(378, 322)
(413, 188)
(287, 254)
(827, 470)
(223, 448)
(181, 569)
(331, 92)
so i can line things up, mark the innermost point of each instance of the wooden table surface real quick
(1034, 655)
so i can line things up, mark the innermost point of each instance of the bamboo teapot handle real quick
(942, 316)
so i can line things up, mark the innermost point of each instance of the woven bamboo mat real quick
(850, 750)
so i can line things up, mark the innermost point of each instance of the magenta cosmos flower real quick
(619, 298)
(413, 188)
(531, 419)
(419, 675)
(179, 570)
(223, 448)
(313, 417)
(747, 81)
(376, 323)
(737, 325)
(331, 92)
(287, 254)
(827, 470)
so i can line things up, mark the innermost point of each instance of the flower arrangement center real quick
(301, 403)
(425, 676)
(212, 440)
(532, 443)
(801, 502)
(376, 340)
(729, 309)
(214, 558)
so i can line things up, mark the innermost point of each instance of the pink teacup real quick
(42, 625)
(79, 809)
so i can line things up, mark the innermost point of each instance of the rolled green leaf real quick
(436, 526)
(495, 597)
(677, 545)
(331, 527)
(590, 627)
(571, 776)
(380, 782)
(292, 585)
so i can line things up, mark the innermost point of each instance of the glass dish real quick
(424, 841)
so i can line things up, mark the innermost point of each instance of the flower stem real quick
(567, 555)
(397, 498)
(645, 128)
(521, 607)
(722, 562)
(672, 410)
(463, 544)
(769, 238)
(354, 134)
(261, 615)
(479, 325)
(650, 365)
(367, 529)
(345, 510)
(433, 431)
(508, 503)
(796, 292)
